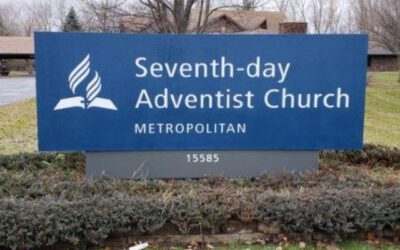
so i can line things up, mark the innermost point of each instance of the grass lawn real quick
(18, 131)
(382, 118)
(19, 74)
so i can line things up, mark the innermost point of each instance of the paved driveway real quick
(16, 89)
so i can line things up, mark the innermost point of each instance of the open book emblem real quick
(76, 77)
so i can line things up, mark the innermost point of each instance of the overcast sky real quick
(344, 4)
(28, 1)
(76, 2)
(343, 21)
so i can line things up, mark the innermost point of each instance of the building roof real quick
(374, 49)
(252, 20)
(256, 32)
(16, 45)
(245, 20)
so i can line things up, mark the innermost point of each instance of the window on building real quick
(264, 25)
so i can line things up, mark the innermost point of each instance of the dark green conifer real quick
(71, 23)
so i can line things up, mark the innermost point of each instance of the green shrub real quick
(73, 161)
(190, 211)
(371, 155)
(334, 213)
(45, 200)
(44, 222)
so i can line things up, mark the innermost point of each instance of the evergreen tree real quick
(71, 23)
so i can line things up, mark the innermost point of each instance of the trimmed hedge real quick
(71, 161)
(45, 200)
(47, 221)
(333, 213)
(371, 155)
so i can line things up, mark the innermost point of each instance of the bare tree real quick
(282, 5)
(103, 15)
(253, 4)
(366, 15)
(43, 12)
(299, 10)
(294, 10)
(28, 24)
(8, 20)
(180, 16)
(3, 28)
(381, 19)
(60, 12)
(35, 16)
(348, 23)
(324, 16)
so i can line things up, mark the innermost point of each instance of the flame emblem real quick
(91, 99)
(93, 88)
(79, 73)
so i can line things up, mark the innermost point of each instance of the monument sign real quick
(187, 105)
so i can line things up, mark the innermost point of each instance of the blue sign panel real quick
(119, 92)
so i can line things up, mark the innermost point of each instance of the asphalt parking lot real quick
(16, 89)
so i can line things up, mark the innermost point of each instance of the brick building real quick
(18, 51)
(226, 21)
(381, 59)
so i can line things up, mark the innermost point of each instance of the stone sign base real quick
(195, 164)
